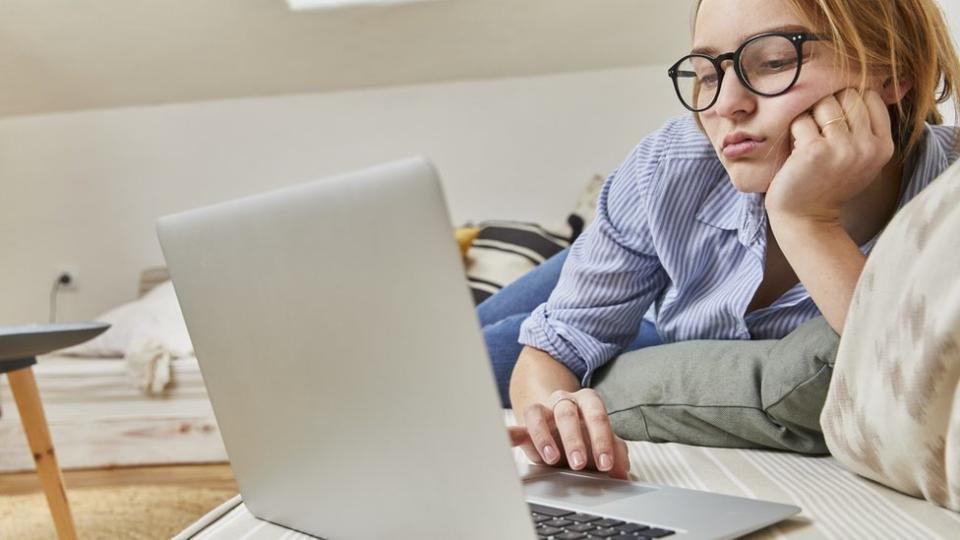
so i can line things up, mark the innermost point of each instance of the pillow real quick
(157, 315)
(465, 237)
(893, 410)
(503, 251)
(586, 206)
(150, 278)
(741, 394)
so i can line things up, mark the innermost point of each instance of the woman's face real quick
(722, 26)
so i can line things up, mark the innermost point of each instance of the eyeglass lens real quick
(769, 65)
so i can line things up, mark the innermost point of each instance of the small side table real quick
(19, 346)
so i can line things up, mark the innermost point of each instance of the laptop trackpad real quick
(581, 490)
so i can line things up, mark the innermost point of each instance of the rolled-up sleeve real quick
(611, 276)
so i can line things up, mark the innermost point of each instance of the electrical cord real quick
(61, 281)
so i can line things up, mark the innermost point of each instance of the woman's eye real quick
(708, 80)
(780, 64)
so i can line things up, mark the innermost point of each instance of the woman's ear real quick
(891, 92)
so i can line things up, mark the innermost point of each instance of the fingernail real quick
(549, 453)
(605, 462)
(576, 459)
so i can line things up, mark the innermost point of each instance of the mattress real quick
(98, 418)
(836, 503)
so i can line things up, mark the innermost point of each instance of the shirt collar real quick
(729, 209)
(922, 167)
(925, 164)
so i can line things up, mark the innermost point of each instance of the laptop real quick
(344, 360)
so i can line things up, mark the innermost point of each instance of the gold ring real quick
(828, 122)
(570, 399)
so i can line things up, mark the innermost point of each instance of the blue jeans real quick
(502, 314)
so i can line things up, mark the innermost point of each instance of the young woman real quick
(813, 122)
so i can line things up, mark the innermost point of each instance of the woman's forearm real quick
(535, 377)
(827, 261)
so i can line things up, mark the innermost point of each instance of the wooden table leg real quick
(25, 393)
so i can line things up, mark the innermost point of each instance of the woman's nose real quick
(734, 99)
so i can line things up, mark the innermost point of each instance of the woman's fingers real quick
(519, 436)
(836, 156)
(540, 431)
(879, 116)
(830, 116)
(598, 428)
(566, 414)
(621, 460)
(574, 426)
(855, 110)
(804, 130)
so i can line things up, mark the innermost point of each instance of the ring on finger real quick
(564, 398)
(835, 120)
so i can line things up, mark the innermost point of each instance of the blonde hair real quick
(905, 40)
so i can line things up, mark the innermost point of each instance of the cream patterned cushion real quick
(892, 412)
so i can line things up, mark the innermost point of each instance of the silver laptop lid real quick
(341, 352)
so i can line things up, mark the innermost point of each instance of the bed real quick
(836, 503)
(100, 415)
(98, 418)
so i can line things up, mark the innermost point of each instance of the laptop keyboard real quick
(559, 524)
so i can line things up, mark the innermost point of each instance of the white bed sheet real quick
(835, 503)
(98, 418)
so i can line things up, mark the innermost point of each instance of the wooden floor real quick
(217, 476)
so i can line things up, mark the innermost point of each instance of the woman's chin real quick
(753, 175)
(750, 178)
(751, 185)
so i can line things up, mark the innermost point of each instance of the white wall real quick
(83, 190)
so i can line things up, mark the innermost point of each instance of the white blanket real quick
(148, 363)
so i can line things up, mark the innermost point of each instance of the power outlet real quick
(67, 278)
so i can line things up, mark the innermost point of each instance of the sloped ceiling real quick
(61, 55)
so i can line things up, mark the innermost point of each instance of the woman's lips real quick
(740, 149)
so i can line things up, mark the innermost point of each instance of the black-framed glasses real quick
(767, 64)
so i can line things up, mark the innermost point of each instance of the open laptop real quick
(343, 357)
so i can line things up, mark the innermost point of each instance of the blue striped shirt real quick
(673, 235)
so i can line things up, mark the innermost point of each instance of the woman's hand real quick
(572, 429)
(840, 146)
